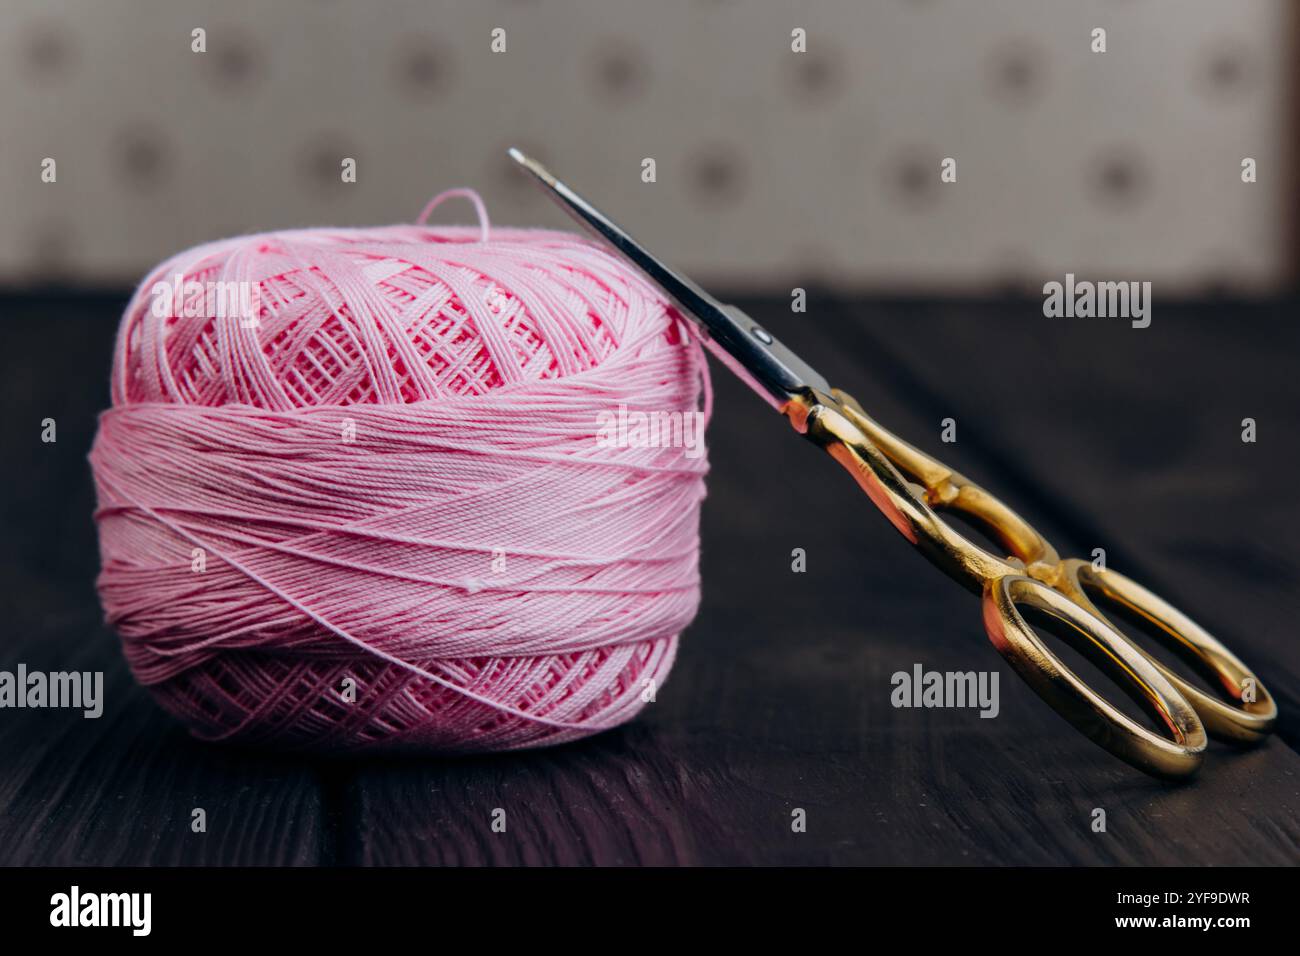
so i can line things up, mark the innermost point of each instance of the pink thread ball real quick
(353, 492)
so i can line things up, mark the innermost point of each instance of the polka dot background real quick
(773, 167)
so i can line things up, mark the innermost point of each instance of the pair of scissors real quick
(911, 489)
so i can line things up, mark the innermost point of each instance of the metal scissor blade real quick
(734, 338)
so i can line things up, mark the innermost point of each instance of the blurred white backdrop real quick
(772, 166)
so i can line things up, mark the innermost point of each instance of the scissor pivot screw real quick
(761, 335)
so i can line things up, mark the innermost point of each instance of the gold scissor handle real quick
(1179, 755)
(1253, 713)
(1034, 575)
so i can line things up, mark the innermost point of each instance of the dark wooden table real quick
(1102, 435)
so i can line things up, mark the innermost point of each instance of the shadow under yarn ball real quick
(352, 492)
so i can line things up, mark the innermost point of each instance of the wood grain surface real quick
(1102, 435)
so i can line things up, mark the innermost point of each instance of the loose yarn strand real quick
(484, 223)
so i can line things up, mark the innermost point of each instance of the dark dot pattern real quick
(914, 177)
(716, 175)
(1120, 178)
(1018, 72)
(48, 51)
(322, 163)
(423, 68)
(817, 75)
(621, 72)
(1227, 71)
(235, 60)
(143, 157)
(429, 80)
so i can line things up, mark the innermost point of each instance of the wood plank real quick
(780, 698)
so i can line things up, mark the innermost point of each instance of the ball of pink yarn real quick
(374, 509)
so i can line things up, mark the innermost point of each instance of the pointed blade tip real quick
(532, 165)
